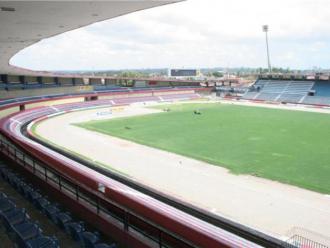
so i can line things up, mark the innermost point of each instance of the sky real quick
(193, 34)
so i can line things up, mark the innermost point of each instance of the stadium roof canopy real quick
(23, 23)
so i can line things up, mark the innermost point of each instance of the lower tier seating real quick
(321, 100)
(294, 98)
(26, 233)
(23, 231)
(267, 96)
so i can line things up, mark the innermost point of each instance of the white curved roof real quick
(23, 23)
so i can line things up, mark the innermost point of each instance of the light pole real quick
(265, 29)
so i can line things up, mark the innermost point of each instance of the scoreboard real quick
(183, 72)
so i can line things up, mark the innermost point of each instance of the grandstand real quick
(278, 90)
(313, 92)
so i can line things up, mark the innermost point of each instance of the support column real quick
(22, 107)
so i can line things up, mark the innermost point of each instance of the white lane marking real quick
(52, 107)
(16, 121)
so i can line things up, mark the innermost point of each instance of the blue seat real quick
(75, 230)
(4, 173)
(63, 218)
(41, 203)
(33, 196)
(26, 231)
(2, 195)
(2, 165)
(32, 86)
(21, 187)
(51, 211)
(90, 239)
(27, 191)
(16, 182)
(10, 177)
(14, 86)
(14, 217)
(103, 245)
(49, 85)
(43, 242)
(6, 204)
(3, 86)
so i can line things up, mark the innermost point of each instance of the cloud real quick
(194, 33)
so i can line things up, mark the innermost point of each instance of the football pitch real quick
(287, 146)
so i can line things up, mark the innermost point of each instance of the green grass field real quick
(287, 146)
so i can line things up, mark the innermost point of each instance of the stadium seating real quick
(14, 217)
(105, 87)
(261, 83)
(41, 203)
(275, 86)
(32, 86)
(43, 241)
(292, 98)
(26, 233)
(16, 82)
(322, 89)
(318, 100)
(52, 211)
(6, 205)
(34, 195)
(267, 96)
(19, 226)
(102, 245)
(90, 239)
(75, 230)
(14, 86)
(251, 94)
(62, 219)
(289, 91)
(299, 87)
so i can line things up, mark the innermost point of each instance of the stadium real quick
(163, 165)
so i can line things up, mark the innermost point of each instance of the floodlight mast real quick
(265, 29)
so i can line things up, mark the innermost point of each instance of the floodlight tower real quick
(265, 29)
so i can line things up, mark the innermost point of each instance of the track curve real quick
(173, 219)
